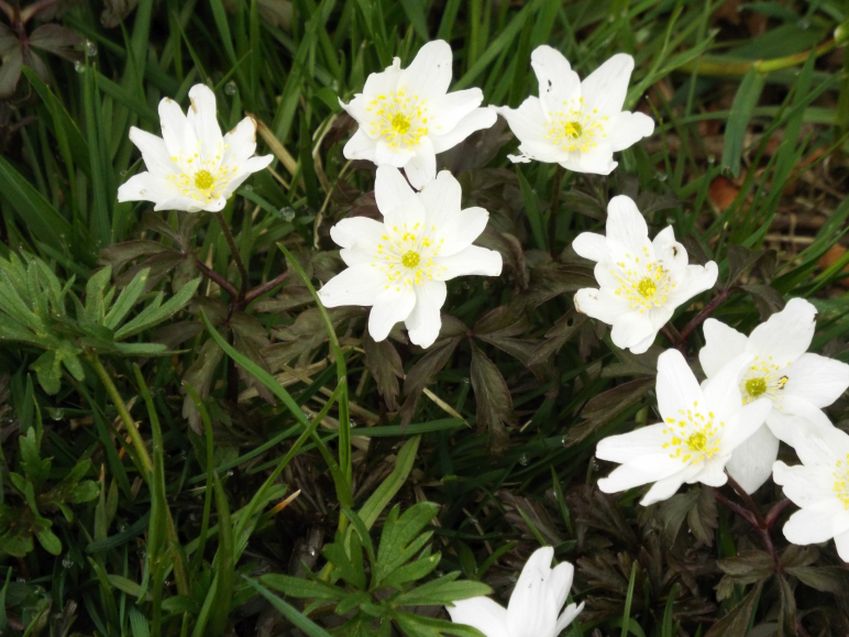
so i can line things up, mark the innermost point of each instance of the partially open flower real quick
(820, 487)
(641, 282)
(192, 167)
(576, 124)
(701, 428)
(407, 116)
(797, 383)
(534, 609)
(399, 266)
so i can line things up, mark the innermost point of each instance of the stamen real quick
(647, 288)
(573, 130)
(411, 259)
(755, 386)
(204, 180)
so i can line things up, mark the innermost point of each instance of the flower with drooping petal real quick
(407, 116)
(400, 265)
(797, 383)
(641, 282)
(192, 167)
(820, 487)
(576, 124)
(534, 606)
(702, 426)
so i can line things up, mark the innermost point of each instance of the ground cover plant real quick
(599, 389)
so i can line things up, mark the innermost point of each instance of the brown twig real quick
(752, 515)
(699, 318)
(237, 257)
(262, 288)
(212, 275)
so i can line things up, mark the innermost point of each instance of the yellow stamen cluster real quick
(761, 379)
(400, 119)
(694, 436)
(576, 128)
(406, 254)
(841, 481)
(201, 178)
(643, 282)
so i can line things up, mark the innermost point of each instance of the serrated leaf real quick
(736, 623)
(402, 538)
(156, 311)
(302, 588)
(94, 309)
(493, 402)
(126, 299)
(442, 591)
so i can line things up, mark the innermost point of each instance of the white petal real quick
(527, 122)
(358, 285)
(450, 109)
(424, 322)
(530, 611)
(421, 169)
(676, 385)
(696, 279)
(478, 119)
(481, 613)
(631, 331)
(712, 473)
(461, 229)
(626, 224)
(628, 476)
(810, 525)
(817, 379)
(557, 81)
(202, 117)
(823, 446)
(441, 198)
(179, 137)
(591, 246)
(722, 345)
(146, 187)
(751, 462)
(841, 541)
(358, 109)
(360, 146)
(598, 161)
(385, 81)
(722, 390)
(360, 231)
(473, 260)
(606, 87)
(662, 489)
(240, 143)
(395, 198)
(187, 204)
(795, 418)
(787, 334)
(246, 169)
(390, 307)
(153, 151)
(805, 486)
(670, 252)
(559, 582)
(384, 154)
(568, 616)
(627, 128)
(639, 442)
(429, 74)
(600, 304)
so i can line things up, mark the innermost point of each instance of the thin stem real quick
(261, 289)
(212, 275)
(707, 65)
(124, 413)
(700, 318)
(234, 250)
(752, 515)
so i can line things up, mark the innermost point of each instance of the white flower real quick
(406, 116)
(192, 166)
(820, 486)
(532, 611)
(641, 281)
(702, 425)
(797, 383)
(399, 266)
(576, 124)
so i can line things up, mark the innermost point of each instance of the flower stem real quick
(212, 275)
(261, 289)
(234, 250)
(723, 67)
(752, 515)
(700, 318)
(124, 413)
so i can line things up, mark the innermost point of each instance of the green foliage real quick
(376, 587)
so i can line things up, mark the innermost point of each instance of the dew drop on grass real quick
(90, 49)
(523, 460)
(79, 67)
(67, 562)
(287, 213)
(230, 88)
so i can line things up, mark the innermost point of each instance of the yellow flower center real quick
(204, 180)
(410, 259)
(841, 481)
(693, 436)
(400, 123)
(401, 120)
(573, 130)
(755, 386)
(645, 284)
(647, 287)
